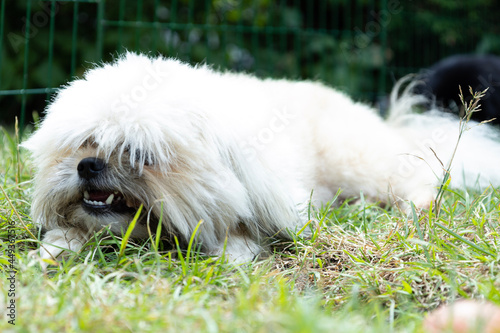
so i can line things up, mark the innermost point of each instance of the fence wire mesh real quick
(359, 46)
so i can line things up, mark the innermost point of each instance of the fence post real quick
(100, 28)
(25, 67)
(383, 47)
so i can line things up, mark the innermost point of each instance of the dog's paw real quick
(422, 198)
(57, 241)
(238, 249)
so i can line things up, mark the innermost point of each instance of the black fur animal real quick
(442, 80)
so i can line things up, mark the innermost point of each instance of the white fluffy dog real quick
(240, 153)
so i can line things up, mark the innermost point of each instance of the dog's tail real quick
(403, 101)
(471, 150)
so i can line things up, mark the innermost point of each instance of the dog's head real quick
(90, 189)
(120, 137)
(132, 133)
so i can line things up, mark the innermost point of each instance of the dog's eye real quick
(145, 159)
(139, 157)
(89, 143)
(86, 143)
(148, 162)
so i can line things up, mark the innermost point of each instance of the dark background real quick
(359, 46)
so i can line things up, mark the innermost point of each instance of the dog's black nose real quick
(90, 167)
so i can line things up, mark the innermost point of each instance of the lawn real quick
(365, 269)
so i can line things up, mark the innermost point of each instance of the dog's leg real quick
(58, 240)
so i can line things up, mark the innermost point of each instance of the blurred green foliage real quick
(358, 46)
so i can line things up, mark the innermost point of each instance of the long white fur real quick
(238, 152)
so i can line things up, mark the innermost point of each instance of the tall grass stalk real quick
(469, 108)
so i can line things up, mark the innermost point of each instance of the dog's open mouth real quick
(99, 201)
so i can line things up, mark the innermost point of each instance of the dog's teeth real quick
(94, 203)
(109, 200)
(86, 195)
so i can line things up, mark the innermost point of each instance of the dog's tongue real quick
(99, 195)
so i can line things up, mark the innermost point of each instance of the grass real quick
(365, 269)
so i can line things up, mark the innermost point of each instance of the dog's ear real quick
(273, 209)
(214, 181)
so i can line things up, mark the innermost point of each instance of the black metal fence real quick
(359, 46)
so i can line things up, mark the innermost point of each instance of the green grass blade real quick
(130, 228)
(420, 235)
(191, 240)
(181, 257)
(466, 241)
(158, 229)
